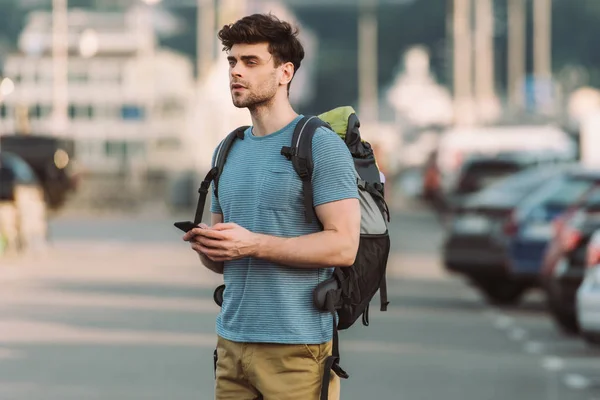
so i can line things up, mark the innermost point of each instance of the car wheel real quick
(566, 322)
(502, 292)
(592, 339)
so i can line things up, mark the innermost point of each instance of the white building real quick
(128, 99)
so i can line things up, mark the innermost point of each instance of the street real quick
(120, 309)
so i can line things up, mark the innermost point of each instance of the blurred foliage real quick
(576, 24)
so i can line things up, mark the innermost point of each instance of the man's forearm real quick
(318, 250)
(214, 266)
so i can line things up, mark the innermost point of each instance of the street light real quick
(89, 43)
(6, 87)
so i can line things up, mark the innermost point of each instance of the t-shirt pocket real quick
(274, 190)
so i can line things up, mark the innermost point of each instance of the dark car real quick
(565, 259)
(497, 238)
(14, 172)
(52, 161)
(480, 171)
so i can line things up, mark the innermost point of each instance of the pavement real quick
(118, 308)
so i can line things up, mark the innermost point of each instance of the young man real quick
(272, 341)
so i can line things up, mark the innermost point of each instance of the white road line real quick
(577, 382)
(503, 322)
(552, 363)
(517, 334)
(533, 347)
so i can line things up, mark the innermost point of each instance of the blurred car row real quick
(521, 214)
(36, 175)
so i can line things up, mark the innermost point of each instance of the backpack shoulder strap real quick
(215, 172)
(223, 152)
(300, 153)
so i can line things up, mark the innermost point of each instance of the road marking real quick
(553, 363)
(503, 322)
(576, 381)
(517, 334)
(533, 347)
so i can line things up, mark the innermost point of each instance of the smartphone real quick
(185, 226)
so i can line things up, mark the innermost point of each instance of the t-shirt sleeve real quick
(333, 176)
(215, 207)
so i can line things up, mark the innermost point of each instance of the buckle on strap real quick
(288, 152)
(362, 184)
(338, 370)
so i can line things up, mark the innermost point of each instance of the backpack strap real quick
(332, 363)
(215, 172)
(300, 153)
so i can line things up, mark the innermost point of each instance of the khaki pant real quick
(265, 371)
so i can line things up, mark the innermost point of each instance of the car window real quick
(21, 170)
(560, 193)
(523, 181)
(592, 200)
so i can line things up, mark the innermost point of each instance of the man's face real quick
(253, 77)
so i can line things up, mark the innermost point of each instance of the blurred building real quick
(128, 99)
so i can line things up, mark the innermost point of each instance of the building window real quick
(115, 149)
(72, 111)
(3, 110)
(36, 111)
(132, 113)
(77, 76)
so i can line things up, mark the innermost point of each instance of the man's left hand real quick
(226, 242)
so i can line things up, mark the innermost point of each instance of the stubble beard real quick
(253, 100)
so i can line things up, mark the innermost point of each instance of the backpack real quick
(347, 294)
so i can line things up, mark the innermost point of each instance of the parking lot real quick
(120, 309)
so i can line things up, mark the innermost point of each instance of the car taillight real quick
(510, 227)
(569, 238)
(593, 255)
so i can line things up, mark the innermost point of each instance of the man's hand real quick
(193, 240)
(223, 242)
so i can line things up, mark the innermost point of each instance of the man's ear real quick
(287, 74)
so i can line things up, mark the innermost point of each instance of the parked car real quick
(52, 160)
(458, 144)
(565, 259)
(497, 238)
(22, 208)
(14, 172)
(588, 294)
(481, 171)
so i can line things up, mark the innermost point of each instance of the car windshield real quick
(522, 182)
(560, 193)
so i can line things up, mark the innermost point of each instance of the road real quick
(119, 309)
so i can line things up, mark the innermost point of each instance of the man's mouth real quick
(237, 86)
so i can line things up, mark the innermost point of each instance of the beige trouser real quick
(265, 371)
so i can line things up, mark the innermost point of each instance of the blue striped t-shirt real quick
(259, 190)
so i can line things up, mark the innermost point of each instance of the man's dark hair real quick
(266, 28)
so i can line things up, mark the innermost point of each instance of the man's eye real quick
(251, 62)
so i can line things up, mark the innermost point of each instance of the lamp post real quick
(516, 53)
(60, 67)
(367, 61)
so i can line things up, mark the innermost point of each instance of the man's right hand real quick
(190, 237)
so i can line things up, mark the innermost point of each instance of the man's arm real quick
(335, 246)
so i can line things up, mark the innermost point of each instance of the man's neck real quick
(271, 117)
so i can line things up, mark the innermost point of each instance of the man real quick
(272, 341)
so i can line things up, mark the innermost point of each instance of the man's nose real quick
(236, 71)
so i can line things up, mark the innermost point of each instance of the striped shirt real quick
(265, 302)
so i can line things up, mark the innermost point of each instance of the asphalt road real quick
(119, 309)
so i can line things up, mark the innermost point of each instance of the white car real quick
(588, 294)
(458, 144)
